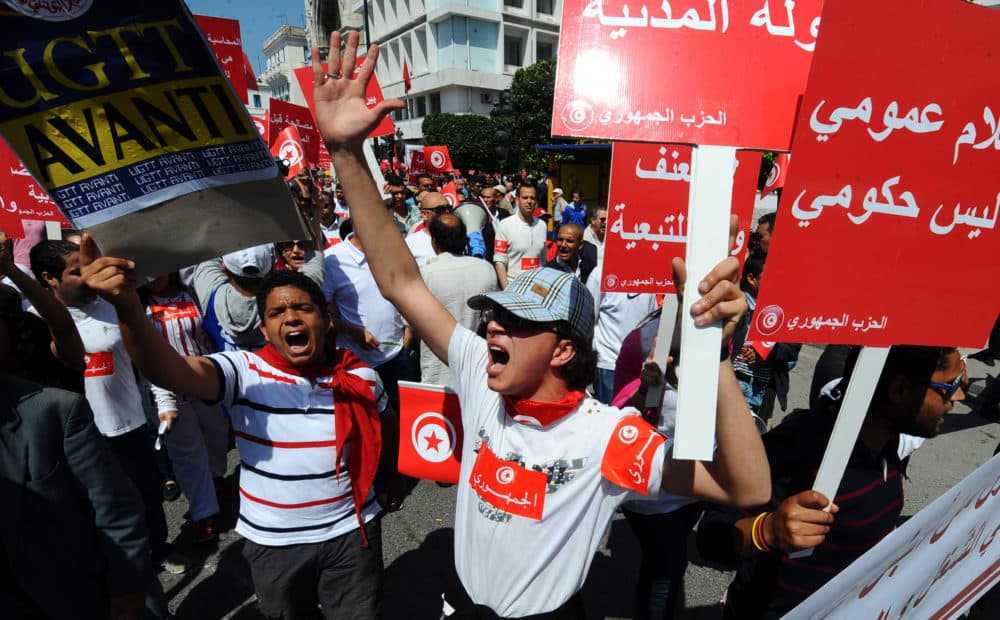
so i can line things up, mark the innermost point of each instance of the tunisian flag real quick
(776, 180)
(406, 78)
(288, 146)
(450, 194)
(430, 432)
(437, 159)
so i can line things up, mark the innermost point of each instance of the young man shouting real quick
(543, 466)
(306, 419)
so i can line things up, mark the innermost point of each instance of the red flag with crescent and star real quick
(430, 438)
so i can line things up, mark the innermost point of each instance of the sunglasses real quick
(287, 245)
(948, 389)
(439, 209)
(510, 321)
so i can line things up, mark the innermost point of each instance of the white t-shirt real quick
(419, 242)
(285, 431)
(526, 531)
(349, 283)
(617, 315)
(109, 381)
(519, 245)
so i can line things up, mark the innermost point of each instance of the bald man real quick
(452, 278)
(419, 239)
(574, 255)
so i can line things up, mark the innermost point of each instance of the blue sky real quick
(258, 20)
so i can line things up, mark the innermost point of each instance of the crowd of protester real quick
(115, 395)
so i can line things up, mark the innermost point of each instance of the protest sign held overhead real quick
(373, 95)
(430, 422)
(122, 114)
(224, 38)
(723, 72)
(282, 114)
(898, 159)
(647, 220)
(21, 197)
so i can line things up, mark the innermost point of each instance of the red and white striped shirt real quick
(285, 431)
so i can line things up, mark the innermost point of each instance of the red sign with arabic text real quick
(21, 197)
(890, 216)
(224, 38)
(507, 486)
(99, 364)
(722, 72)
(648, 212)
(373, 96)
(282, 114)
(430, 422)
(745, 198)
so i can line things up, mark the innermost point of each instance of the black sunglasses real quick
(510, 321)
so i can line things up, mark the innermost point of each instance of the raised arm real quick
(739, 474)
(113, 279)
(66, 344)
(344, 122)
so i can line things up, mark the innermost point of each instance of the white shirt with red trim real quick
(285, 432)
(109, 380)
(179, 320)
(534, 501)
(519, 245)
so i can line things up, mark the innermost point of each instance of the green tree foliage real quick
(469, 138)
(531, 95)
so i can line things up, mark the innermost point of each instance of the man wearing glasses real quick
(918, 386)
(543, 467)
(419, 240)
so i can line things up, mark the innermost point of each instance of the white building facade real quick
(460, 53)
(285, 50)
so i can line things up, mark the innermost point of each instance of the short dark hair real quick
(915, 363)
(579, 372)
(50, 257)
(449, 237)
(395, 179)
(754, 266)
(525, 186)
(424, 175)
(481, 179)
(284, 277)
(768, 218)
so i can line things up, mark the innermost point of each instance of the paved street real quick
(418, 540)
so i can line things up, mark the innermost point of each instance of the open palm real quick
(343, 118)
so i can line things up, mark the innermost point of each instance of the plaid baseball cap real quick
(545, 295)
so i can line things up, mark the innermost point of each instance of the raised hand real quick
(342, 115)
(110, 277)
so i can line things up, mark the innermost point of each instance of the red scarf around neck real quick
(355, 416)
(535, 413)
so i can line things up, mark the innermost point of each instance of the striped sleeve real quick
(227, 366)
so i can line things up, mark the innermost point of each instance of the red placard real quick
(21, 198)
(647, 219)
(437, 159)
(282, 114)
(430, 442)
(723, 72)
(745, 197)
(224, 37)
(373, 95)
(890, 215)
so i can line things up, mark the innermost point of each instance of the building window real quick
(543, 51)
(546, 6)
(435, 103)
(421, 107)
(513, 51)
(517, 4)
(256, 101)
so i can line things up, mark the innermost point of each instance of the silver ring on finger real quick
(332, 76)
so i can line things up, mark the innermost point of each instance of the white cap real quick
(557, 190)
(255, 262)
